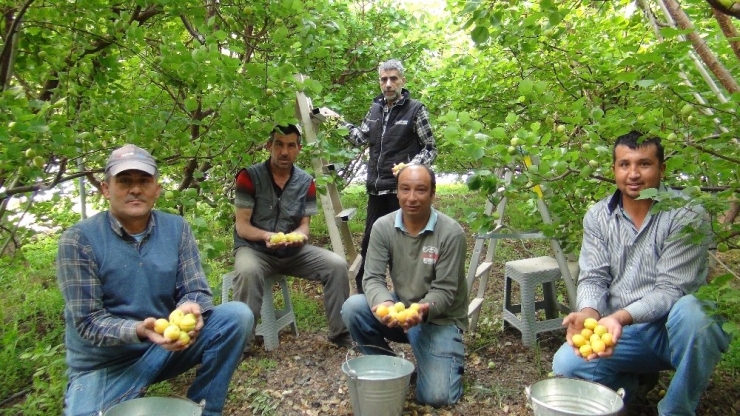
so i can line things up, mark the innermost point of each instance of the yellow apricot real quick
(590, 323)
(578, 340)
(160, 325)
(600, 330)
(381, 310)
(172, 332)
(586, 350)
(598, 346)
(607, 339)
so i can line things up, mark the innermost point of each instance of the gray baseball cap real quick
(130, 157)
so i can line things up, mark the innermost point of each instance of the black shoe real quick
(646, 382)
(342, 341)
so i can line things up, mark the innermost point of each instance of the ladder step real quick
(475, 305)
(355, 265)
(316, 114)
(346, 215)
(483, 269)
(329, 168)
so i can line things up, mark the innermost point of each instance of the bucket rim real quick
(200, 405)
(399, 361)
(615, 396)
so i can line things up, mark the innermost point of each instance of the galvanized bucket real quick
(156, 406)
(571, 397)
(377, 384)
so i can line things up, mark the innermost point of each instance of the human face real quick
(391, 83)
(132, 194)
(283, 151)
(637, 169)
(415, 193)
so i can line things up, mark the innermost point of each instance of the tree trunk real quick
(730, 31)
(701, 48)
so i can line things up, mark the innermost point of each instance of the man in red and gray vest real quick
(397, 130)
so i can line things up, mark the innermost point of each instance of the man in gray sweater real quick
(424, 250)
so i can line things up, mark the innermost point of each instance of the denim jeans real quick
(439, 350)
(687, 341)
(218, 348)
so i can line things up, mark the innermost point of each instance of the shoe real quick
(342, 341)
(646, 382)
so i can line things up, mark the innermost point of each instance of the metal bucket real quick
(570, 397)
(377, 384)
(156, 406)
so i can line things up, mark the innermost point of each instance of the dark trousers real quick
(377, 206)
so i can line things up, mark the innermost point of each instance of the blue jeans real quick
(439, 350)
(218, 348)
(688, 341)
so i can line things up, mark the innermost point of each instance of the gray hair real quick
(390, 65)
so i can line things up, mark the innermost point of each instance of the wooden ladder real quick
(337, 217)
(480, 270)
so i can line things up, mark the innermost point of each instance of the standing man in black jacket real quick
(396, 130)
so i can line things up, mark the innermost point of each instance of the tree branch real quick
(6, 56)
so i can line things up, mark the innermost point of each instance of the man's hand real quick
(328, 113)
(574, 322)
(397, 167)
(410, 319)
(292, 239)
(145, 329)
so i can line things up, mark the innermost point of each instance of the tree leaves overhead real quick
(202, 85)
(198, 85)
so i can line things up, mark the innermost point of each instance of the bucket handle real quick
(620, 392)
(355, 346)
(352, 372)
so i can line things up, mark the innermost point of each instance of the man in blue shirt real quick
(638, 270)
(122, 269)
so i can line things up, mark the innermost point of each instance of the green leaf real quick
(480, 34)
(191, 104)
(649, 193)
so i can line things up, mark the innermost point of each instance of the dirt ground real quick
(304, 377)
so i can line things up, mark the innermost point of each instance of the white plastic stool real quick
(272, 320)
(530, 273)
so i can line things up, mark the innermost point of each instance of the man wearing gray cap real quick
(122, 269)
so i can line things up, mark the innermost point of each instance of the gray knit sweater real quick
(427, 268)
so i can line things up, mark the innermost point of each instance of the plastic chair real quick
(272, 320)
(529, 274)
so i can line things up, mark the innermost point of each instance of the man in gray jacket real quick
(425, 253)
(397, 131)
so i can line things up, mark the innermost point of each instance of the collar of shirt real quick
(429, 227)
(117, 228)
(616, 198)
(404, 95)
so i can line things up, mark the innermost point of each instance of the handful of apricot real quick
(594, 338)
(398, 312)
(292, 237)
(177, 327)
